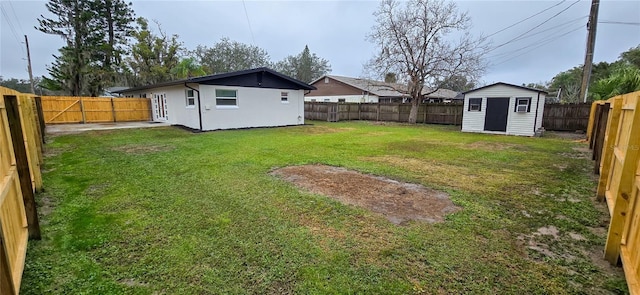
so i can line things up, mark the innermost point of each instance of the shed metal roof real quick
(507, 84)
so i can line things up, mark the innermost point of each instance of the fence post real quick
(608, 146)
(625, 187)
(113, 110)
(22, 165)
(425, 114)
(84, 115)
(40, 112)
(590, 125)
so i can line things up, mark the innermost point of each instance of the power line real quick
(12, 29)
(517, 23)
(619, 23)
(539, 25)
(537, 33)
(554, 27)
(539, 45)
(541, 41)
(16, 17)
(250, 29)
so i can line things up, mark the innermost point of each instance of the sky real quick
(551, 41)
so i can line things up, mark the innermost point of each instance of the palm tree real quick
(187, 68)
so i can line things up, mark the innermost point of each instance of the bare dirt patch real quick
(493, 146)
(397, 201)
(143, 149)
(326, 129)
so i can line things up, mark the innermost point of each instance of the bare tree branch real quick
(417, 41)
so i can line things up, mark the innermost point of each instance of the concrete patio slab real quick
(78, 128)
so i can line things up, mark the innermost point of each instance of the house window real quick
(326, 100)
(226, 97)
(142, 95)
(523, 104)
(341, 100)
(190, 98)
(475, 104)
(284, 97)
(313, 100)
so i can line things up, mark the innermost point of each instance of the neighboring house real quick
(503, 108)
(332, 88)
(251, 98)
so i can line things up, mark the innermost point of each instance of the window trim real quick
(224, 106)
(518, 105)
(187, 98)
(479, 104)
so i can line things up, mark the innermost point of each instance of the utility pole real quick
(591, 41)
(26, 41)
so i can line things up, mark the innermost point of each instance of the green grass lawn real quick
(166, 211)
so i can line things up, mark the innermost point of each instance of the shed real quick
(250, 98)
(503, 108)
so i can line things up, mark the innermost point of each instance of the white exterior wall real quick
(517, 123)
(177, 111)
(257, 107)
(543, 100)
(347, 98)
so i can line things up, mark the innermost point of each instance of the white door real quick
(160, 107)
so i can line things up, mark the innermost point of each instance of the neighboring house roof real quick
(384, 89)
(239, 78)
(507, 84)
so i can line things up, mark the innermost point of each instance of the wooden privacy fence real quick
(450, 114)
(560, 117)
(619, 182)
(20, 160)
(77, 109)
(566, 117)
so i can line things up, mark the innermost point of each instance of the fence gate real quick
(332, 112)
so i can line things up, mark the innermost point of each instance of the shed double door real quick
(496, 115)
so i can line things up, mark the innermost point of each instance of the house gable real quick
(255, 79)
(333, 88)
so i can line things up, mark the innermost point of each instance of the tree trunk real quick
(413, 114)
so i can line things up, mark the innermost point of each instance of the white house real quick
(331, 88)
(251, 98)
(503, 108)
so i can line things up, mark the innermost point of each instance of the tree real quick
(623, 80)
(457, 83)
(305, 66)
(415, 40)
(390, 78)
(153, 56)
(95, 32)
(23, 85)
(72, 24)
(114, 23)
(631, 57)
(229, 56)
(187, 68)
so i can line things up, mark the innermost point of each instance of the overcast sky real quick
(336, 31)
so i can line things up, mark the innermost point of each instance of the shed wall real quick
(517, 123)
